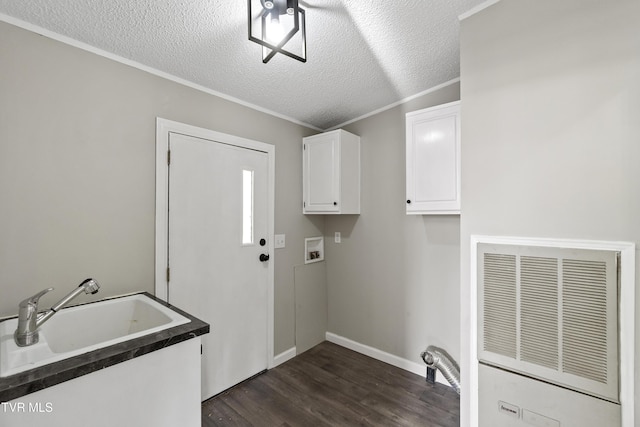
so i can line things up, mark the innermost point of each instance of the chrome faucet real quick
(29, 320)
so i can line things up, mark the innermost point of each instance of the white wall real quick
(393, 282)
(550, 129)
(77, 171)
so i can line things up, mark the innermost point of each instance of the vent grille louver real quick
(500, 304)
(539, 311)
(584, 304)
(551, 313)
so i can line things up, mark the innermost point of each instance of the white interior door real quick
(218, 218)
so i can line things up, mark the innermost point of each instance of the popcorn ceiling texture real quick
(361, 55)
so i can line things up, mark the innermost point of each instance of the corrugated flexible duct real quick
(437, 358)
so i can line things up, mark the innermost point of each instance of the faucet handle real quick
(33, 300)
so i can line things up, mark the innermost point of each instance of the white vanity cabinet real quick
(160, 389)
(433, 160)
(331, 173)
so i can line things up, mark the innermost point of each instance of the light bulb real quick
(275, 32)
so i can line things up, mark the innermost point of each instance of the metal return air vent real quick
(552, 314)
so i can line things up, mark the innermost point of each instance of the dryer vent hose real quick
(437, 358)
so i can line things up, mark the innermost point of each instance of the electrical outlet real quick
(278, 241)
(336, 237)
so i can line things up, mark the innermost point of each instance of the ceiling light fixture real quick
(276, 23)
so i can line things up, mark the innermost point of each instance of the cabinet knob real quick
(408, 202)
(335, 203)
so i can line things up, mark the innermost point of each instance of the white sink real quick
(78, 330)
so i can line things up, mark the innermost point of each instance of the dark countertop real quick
(23, 383)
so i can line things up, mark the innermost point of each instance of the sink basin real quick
(78, 330)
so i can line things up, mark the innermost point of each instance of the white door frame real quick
(163, 128)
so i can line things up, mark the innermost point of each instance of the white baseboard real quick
(284, 356)
(383, 356)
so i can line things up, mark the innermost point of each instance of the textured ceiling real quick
(361, 55)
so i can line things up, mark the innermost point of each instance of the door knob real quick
(264, 257)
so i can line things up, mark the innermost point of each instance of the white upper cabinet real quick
(433, 160)
(331, 173)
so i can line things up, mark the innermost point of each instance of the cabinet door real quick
(433, 161)
(322, 173)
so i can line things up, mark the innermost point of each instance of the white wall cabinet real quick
(433, 160)
(331, 173)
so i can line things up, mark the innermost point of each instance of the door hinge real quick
(304, 204)
(168, 157)
(304, 146)
(168, 274)
(200, 348)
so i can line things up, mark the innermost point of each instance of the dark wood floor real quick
(332, 386)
